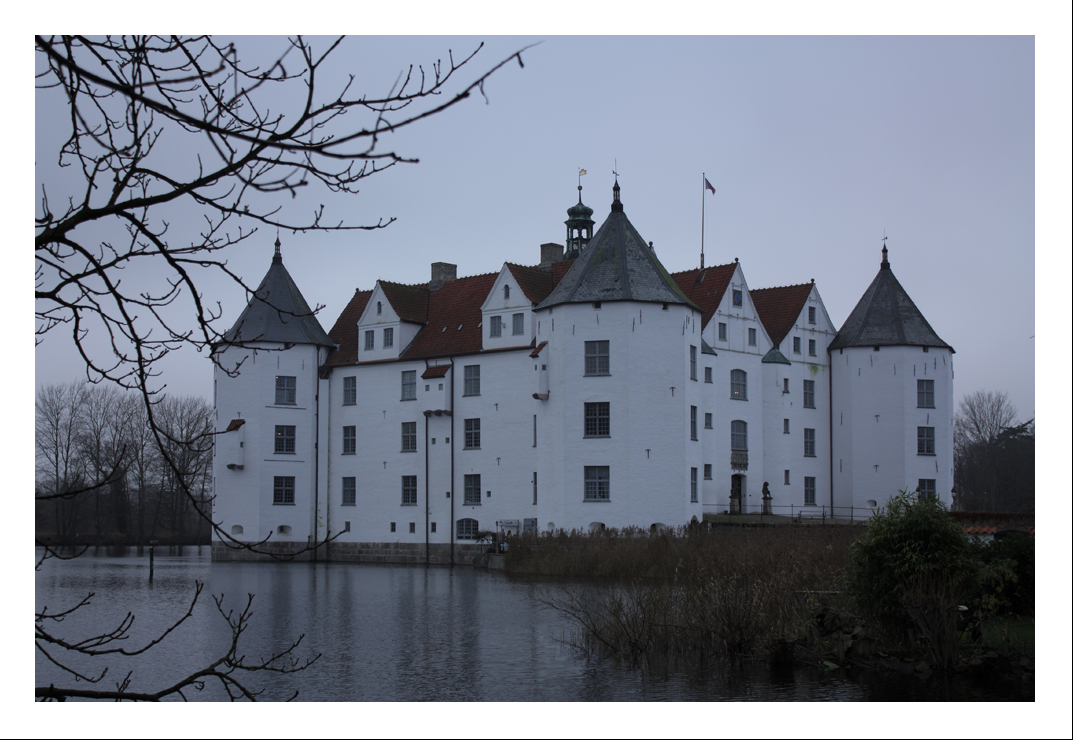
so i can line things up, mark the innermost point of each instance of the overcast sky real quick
(817, 146)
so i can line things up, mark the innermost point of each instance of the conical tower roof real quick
(886, 316)
(278, 313)
(616, 265)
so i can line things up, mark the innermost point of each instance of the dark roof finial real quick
(616, 204)
(884, 265)
(277, 257)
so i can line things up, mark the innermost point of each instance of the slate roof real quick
(778, 308)
(886, 316)
(616, 265)
(774, 357)
(706, 287)
(277, 312)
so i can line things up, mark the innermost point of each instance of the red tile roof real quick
(778, 308)
(705, 287)
(454, 317)
(235, 424)
(536, 352)
(410, 302)
(435, 371)
(534, 282)
(345, 331)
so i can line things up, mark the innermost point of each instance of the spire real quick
(277, 257)
(884, 265)
(616, 204)
(579, 225)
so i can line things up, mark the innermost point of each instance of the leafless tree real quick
(252, 137)
(994, 457)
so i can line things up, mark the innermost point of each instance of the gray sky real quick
(814, 144)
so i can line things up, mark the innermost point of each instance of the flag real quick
(582, 172)
(708, 186)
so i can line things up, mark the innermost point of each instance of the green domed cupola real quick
(578, 226)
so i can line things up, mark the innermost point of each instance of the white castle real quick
(594, 389)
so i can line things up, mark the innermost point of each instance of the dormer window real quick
(379, 308)
(506, 292)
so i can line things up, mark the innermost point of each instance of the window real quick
(379, 308)
(810, 443)
(432, 527)
(472, 489)
(785, 385)
(797, 345)
(409, 490)
(810, 491)
(598, 419)
(413, 527)
(925, 394)
(597, 358)
(393, 526)
(283, 490)
(350, 391)
(810, 394)
(350, 491)
(389, 338)
(707, 421)
(285, 389)
(534, 430)
(472, 380)
(812, 314)
(722, 332)
(506, 292)
(495, 326)
(473, 434)
(739, 435)
(692, 362)
(466, 529)
(692, 485)
(707, 375)
(350, 440)
(369, 339)
(812, 347)
(409, 385)
(518, 320)
(925, 440)
(925, 488)
(284, 440)
(597, 483)
(693, 422)
(409, 436)
(785, 426)
(534, 488)
(786, 477)
(707, 471)
(346, 526)
(752, 337)
(738, 389)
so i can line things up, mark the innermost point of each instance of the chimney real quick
(442, 272)
(550, 253)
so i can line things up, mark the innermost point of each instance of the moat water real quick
(407, 633)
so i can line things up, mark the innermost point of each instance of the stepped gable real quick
(454, 318)
(409, 302)
(345, 330)
(706, 287)
(778, 308)
(616, 265)
(277, 312)
(886, 316)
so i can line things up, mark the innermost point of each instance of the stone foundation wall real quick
(358, 552)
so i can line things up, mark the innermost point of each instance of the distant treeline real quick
(102, 477)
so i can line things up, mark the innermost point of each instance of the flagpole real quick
(703, 183)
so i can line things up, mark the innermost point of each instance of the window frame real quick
(597, 357)
(283, 490)
(597, 483)
(286, 390)
(349, 496)
(722, 331)
(925, 393)
(708, 420)
(370, 340)
(471, 380)
(707, 375)
(466, 529)
(495, 326)
(388, 337)
(926, 491)
(471, 489)
(752, 337)
(810, 490)
(739, 435)
(812, 314)
(797, 345)
(517, 324)
(597, 420)
(409, 436)
(285, 437)
(785, 426)
(693, 423)
(707, 471)
(409, 490)
(810, 442)
(926, 441)
(409, 383)
(471, 434)
(739, 385)
(350, 390)
(812, 348)
(350, 440)
(808, 394)
(692, 362)
(693, 498)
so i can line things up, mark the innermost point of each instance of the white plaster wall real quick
(496, 305)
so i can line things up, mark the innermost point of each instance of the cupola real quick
(578, 225)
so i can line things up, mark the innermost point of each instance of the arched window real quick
(739, 435)
(283, 529)
(237, 529)
(467, 529)
(738, 385)
(506, 292)
(379, 308)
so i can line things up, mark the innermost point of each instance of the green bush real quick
(1011, 561)
(912, 570)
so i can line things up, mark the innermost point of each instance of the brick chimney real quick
(442, 272)
(550, 253)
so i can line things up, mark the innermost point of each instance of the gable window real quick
(707, 471)
(283, 490)
(722, 331)
(350, 390)
(473, 489)
(409, 385)
(810, 443)
(350, 440)
(707, 375)
(598, 419)
(597, 358)
(597, 483)
(518, 320)
(389, 338)
(812, 314)
(692, 362)
(495, 326)
(925, 440)
(925, 394)
(409, 436)
(812, 347)
(707, 421)
(409, 490)
(752, 337)
(809, 399)
(473, 434)
(472, 380)
(284, 440)
(785, 426)
(925, 488)
(797, 345)
(350, 491)
(739, 435)
(692, 485)
(738, 387)
(506, 292)
(810, 491)
(693, 423)
(285, 389)
(379, 308)
(466, 529)
(370, 339)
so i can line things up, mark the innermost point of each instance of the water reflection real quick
(409, 633)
